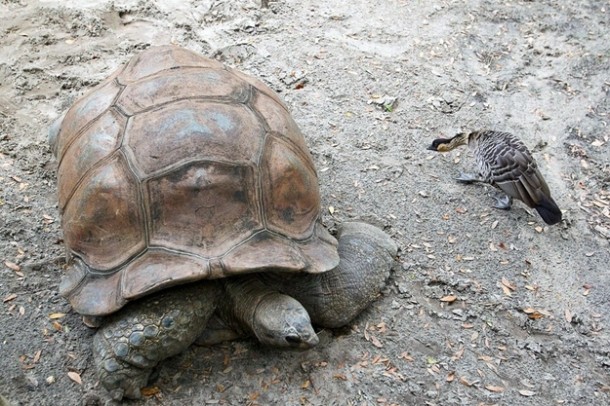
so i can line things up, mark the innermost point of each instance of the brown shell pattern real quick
(177, 169)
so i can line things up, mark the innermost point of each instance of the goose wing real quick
(513, 169)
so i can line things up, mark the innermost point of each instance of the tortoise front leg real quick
(133, 340)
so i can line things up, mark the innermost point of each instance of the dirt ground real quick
(484, 306)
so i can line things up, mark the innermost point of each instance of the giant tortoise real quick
(187, 191)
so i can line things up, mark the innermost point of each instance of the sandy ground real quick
(484, 306)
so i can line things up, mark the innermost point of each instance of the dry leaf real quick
(306, 384)
(54, 316)
(37, 356)
(376, 342)
(465, 382)
(12, 266)
(405, 355)
(449, 299)
(75, 377)
(331, 209)
(507, 283)
(526, 392)
(568, 315)
(458, 354)
(341, 377)
(149, 391)
(533, 314)
(10, 297)
(495, 389)
(451, 376)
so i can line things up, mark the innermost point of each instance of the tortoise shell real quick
(176, 169)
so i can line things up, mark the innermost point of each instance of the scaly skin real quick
(133, 341)
(336, 297)
(263, 305)
(258, 310)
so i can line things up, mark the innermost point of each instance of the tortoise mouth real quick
(302, 343)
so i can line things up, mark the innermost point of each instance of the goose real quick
(506, 163)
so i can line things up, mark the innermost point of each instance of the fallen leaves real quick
(150, 391)
(46, 219)
(405, 355)
(466, 382)
(75, 377)
(507, 286)
(534, 314)
(12, 266)
(29, 361)
(37, 357)
(380, 328)
(448, 298)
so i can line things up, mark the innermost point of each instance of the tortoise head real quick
(281, 321)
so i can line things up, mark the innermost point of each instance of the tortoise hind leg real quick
(133, 341)
(334, 298)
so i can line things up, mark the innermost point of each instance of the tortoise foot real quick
(133, 341)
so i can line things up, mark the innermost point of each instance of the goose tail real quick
(548, 210)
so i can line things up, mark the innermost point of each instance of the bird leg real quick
(469, 178)
(503, 201)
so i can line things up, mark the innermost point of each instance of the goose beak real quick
(431, 148)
